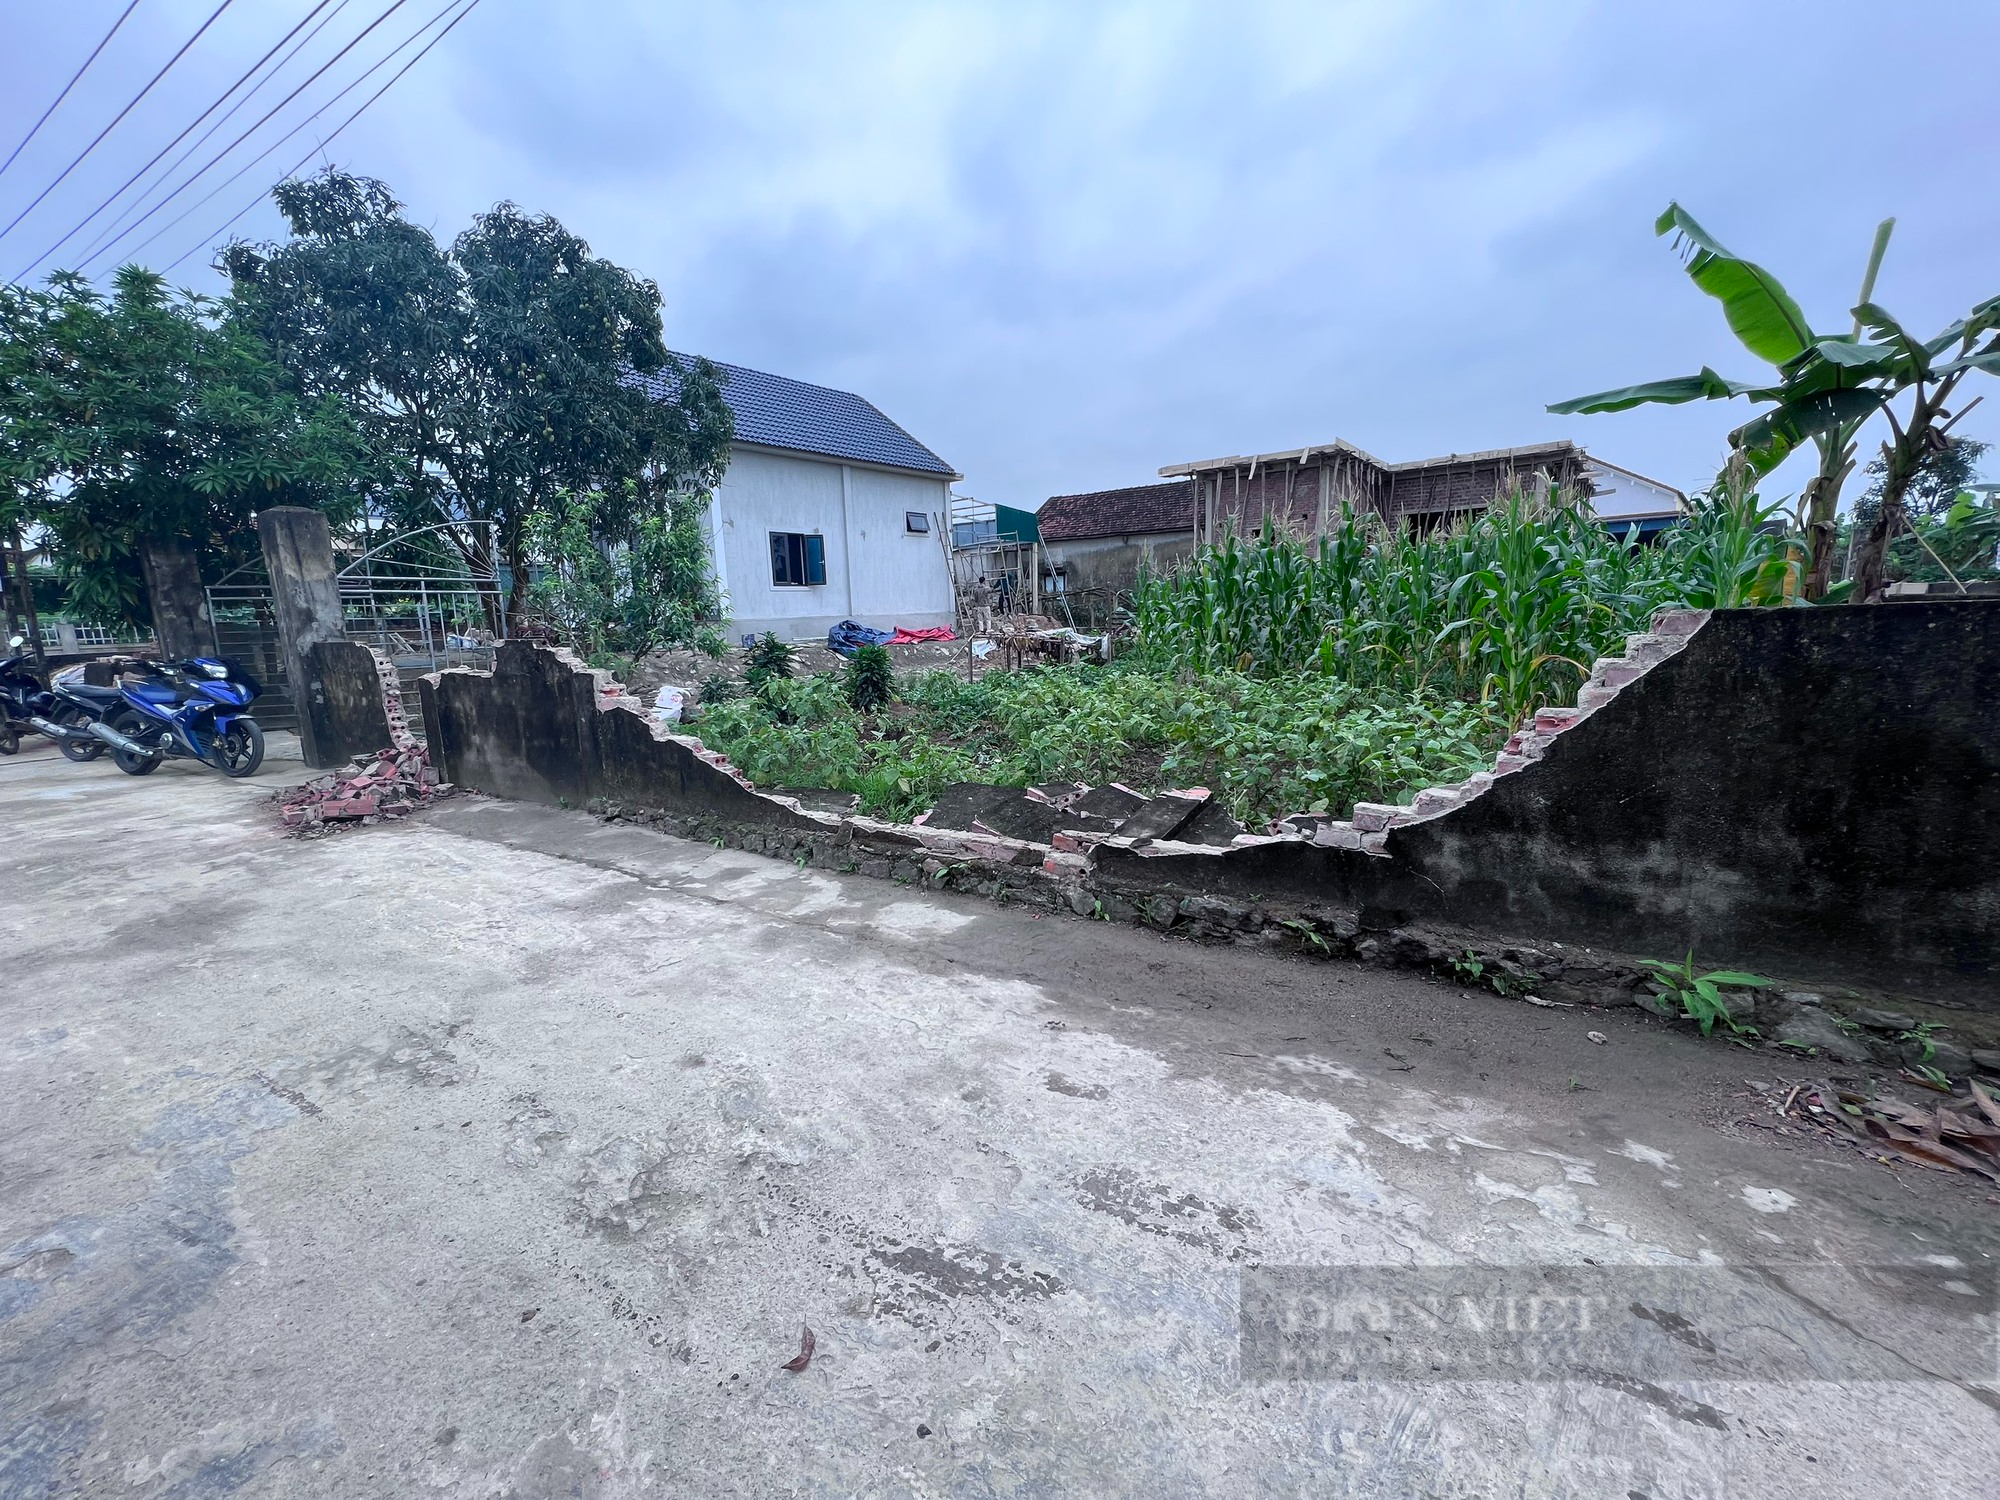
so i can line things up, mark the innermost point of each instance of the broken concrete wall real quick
(542, 727)
(1811, 792)
(343, 709)
(1815, 792)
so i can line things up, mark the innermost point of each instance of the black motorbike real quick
(25, 700)
(68, 711)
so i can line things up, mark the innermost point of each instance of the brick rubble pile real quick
(394, 784)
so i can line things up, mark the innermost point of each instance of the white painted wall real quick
(876, 573)
(1623, 495)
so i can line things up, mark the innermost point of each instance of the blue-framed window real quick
(798, 559)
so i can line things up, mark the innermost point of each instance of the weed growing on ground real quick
(1700, 996)
(770, 660)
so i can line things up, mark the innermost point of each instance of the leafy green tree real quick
(626, 593)
(499, 374)
(1942, 476)
(770, 660)
(138, 432)
(870, 678)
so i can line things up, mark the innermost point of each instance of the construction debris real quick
(393, 783)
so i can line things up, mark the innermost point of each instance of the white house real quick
(828, 511)
(1624, 499)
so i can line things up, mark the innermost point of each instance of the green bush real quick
(870, 678)
(770, 659)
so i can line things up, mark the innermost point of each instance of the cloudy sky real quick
(1065, 244)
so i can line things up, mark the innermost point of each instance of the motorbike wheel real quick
(241, 751)
(128, 723)
(77, 750)
(10, 740)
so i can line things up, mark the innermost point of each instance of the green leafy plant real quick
(870, 678)
(1504, 610)
(1828, 387)
(1700, 996)
(1935, 1076)
(1924, 1035)
(1472, 970)
(770, 660)
(715, 690)
(1309, 937)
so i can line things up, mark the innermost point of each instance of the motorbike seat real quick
(84, 693)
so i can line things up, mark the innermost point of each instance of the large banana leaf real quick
(1775, 433)
(1760, 311)
(1987, 360)
(1984, 317)
(1879, 321)
(1855, 354)
(1707, 386)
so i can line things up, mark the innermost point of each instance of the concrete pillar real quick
(305, 597)
(179, 603)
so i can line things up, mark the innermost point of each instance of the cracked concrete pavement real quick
(502, 1152)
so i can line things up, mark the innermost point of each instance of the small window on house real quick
(798, 559)
(916, 523)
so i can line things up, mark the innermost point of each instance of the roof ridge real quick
(801, 416)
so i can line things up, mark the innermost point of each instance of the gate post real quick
(179, 603)
(305, 597)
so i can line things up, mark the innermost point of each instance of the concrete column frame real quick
(305, 597)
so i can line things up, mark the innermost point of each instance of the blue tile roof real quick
(779, 413)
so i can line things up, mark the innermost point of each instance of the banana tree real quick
(1819, 397)
(1930, 371)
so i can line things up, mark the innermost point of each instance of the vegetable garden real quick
(1285, 673)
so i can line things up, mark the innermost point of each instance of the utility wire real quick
(328, 140)
(114, 124)
(112, 230)
(75, 78)
(224, 185)
(84, 223)
(218, 157)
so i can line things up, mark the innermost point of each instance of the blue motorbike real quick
(190, 710)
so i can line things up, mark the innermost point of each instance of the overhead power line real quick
(119, 192)
(356, 82)
(323, 143)
(115, 122)
(117, 226)
(224, 152)
(75, 78)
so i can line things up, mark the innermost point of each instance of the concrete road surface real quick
(504, 1153)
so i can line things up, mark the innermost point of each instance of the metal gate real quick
(412, 597)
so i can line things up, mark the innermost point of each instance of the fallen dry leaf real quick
(805, 1354)
(1985, 1102)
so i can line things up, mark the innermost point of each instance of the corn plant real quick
(1507, 608)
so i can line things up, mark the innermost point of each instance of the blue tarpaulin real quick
(845, 636)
